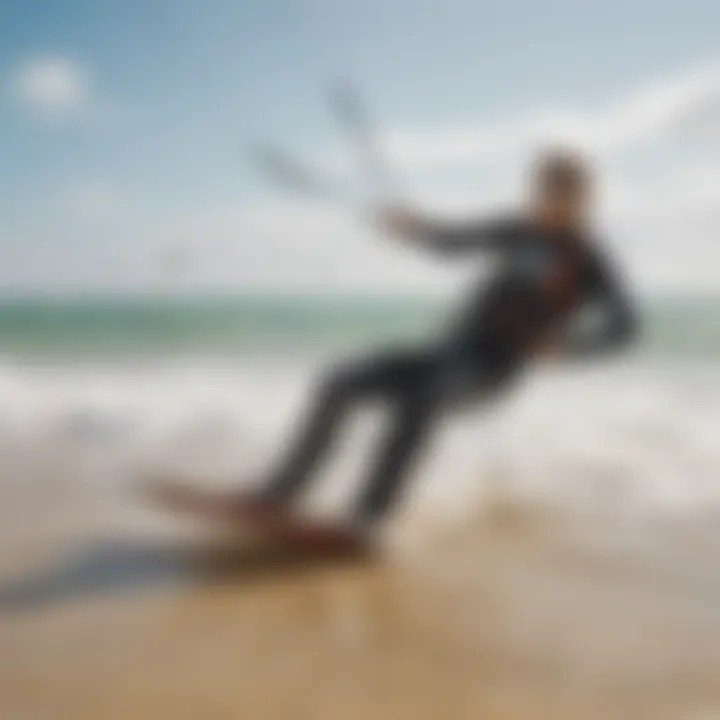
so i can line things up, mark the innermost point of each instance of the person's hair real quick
(561, 171)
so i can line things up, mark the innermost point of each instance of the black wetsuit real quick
(541, 283)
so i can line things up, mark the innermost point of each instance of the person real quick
(550, 270)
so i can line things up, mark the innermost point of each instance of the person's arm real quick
(449, 239)
(615, 323)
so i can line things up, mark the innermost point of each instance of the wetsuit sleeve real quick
(616, 323)
(496, 234)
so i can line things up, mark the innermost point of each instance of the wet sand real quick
(516, 614)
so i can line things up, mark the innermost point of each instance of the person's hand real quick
(401, 221)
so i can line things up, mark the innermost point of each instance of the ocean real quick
(210, 388)
(208, 326)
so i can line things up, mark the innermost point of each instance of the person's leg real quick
(384, 374)
(446, 381)
(416, 410)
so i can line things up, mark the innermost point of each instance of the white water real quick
(613, 440)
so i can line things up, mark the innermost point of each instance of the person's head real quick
(561, 189)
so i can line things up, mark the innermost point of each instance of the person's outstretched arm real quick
(614, 324)
(449, 239)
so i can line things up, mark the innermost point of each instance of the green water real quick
(236, 325)
(207, 325)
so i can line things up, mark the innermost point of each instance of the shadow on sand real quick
(130, 566)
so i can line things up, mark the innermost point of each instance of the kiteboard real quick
(250, 513)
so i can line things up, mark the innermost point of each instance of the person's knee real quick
(415, 412)
(338, 385)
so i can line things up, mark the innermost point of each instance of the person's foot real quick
(327, 538)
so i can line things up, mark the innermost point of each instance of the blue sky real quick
(125, 126)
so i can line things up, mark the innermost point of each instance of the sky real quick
(126, 130)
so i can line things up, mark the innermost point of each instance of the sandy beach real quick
(514, 615)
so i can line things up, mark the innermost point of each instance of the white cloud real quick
(53, 86)
(652, 112)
